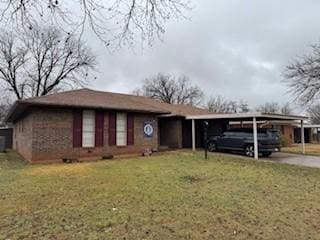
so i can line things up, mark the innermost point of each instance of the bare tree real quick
(4, 109)
(273, 107)
(109, 20)
(286, 109)
(43, 61)
(171, 89)
(161, 87)
(303, 76)
(314, 113)
(219, 104)
(233, 107)
(5, 105)
(269, 107)
(13, 57)
(243, 106)
(187, 93)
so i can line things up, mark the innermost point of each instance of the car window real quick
(239, 134)
(248, 134)
(274, 133)
(228, 134)
(262, 134)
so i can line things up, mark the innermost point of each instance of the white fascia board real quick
(311, 126)
(246, 115)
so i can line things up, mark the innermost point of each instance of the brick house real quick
(87, 124)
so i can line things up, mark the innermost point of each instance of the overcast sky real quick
(234, 48)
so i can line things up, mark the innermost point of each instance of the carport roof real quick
(247, 116)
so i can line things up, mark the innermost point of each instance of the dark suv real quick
(242, 140)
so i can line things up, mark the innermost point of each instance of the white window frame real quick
(88, 128)
(121, 129)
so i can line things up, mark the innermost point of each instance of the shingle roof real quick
(87, 98)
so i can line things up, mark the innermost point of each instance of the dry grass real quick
(172, 196)
(311, 149)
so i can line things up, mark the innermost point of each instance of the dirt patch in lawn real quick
(60, 169)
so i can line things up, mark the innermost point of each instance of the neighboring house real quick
(86, 123)
(311, 134)
(291, 131)
(286, 128)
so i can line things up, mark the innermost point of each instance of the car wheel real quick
(249, 151)
(212, 147)
(266, 154)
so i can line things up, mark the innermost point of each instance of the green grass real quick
(171, 196)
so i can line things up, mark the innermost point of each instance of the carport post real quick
(193, 136)
(255, 138)
(302, 138)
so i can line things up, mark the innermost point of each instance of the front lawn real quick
(169, 196)
(311, 149)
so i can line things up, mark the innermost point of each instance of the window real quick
(228, 134)
(121, 129)
(88, 128)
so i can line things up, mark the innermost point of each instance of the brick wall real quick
(22, 136)
(287, 134)
(171, 132)
(52, 134)
(51, 137)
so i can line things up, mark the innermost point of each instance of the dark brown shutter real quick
(99, 129)
(77, 128)
(130, 129)
(112, 128)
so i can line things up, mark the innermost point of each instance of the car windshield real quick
(274, 133)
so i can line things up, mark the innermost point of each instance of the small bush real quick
(285, 143)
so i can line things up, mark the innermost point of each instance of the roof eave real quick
(22, 104)
(247, 115)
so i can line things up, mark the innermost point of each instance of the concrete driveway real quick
(295, 159)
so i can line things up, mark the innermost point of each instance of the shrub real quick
(285, 143)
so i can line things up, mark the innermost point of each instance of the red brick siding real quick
(171, 132)
(22, 136)
(52, 136)
(287, 134)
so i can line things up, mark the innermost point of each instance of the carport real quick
(254, 117)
